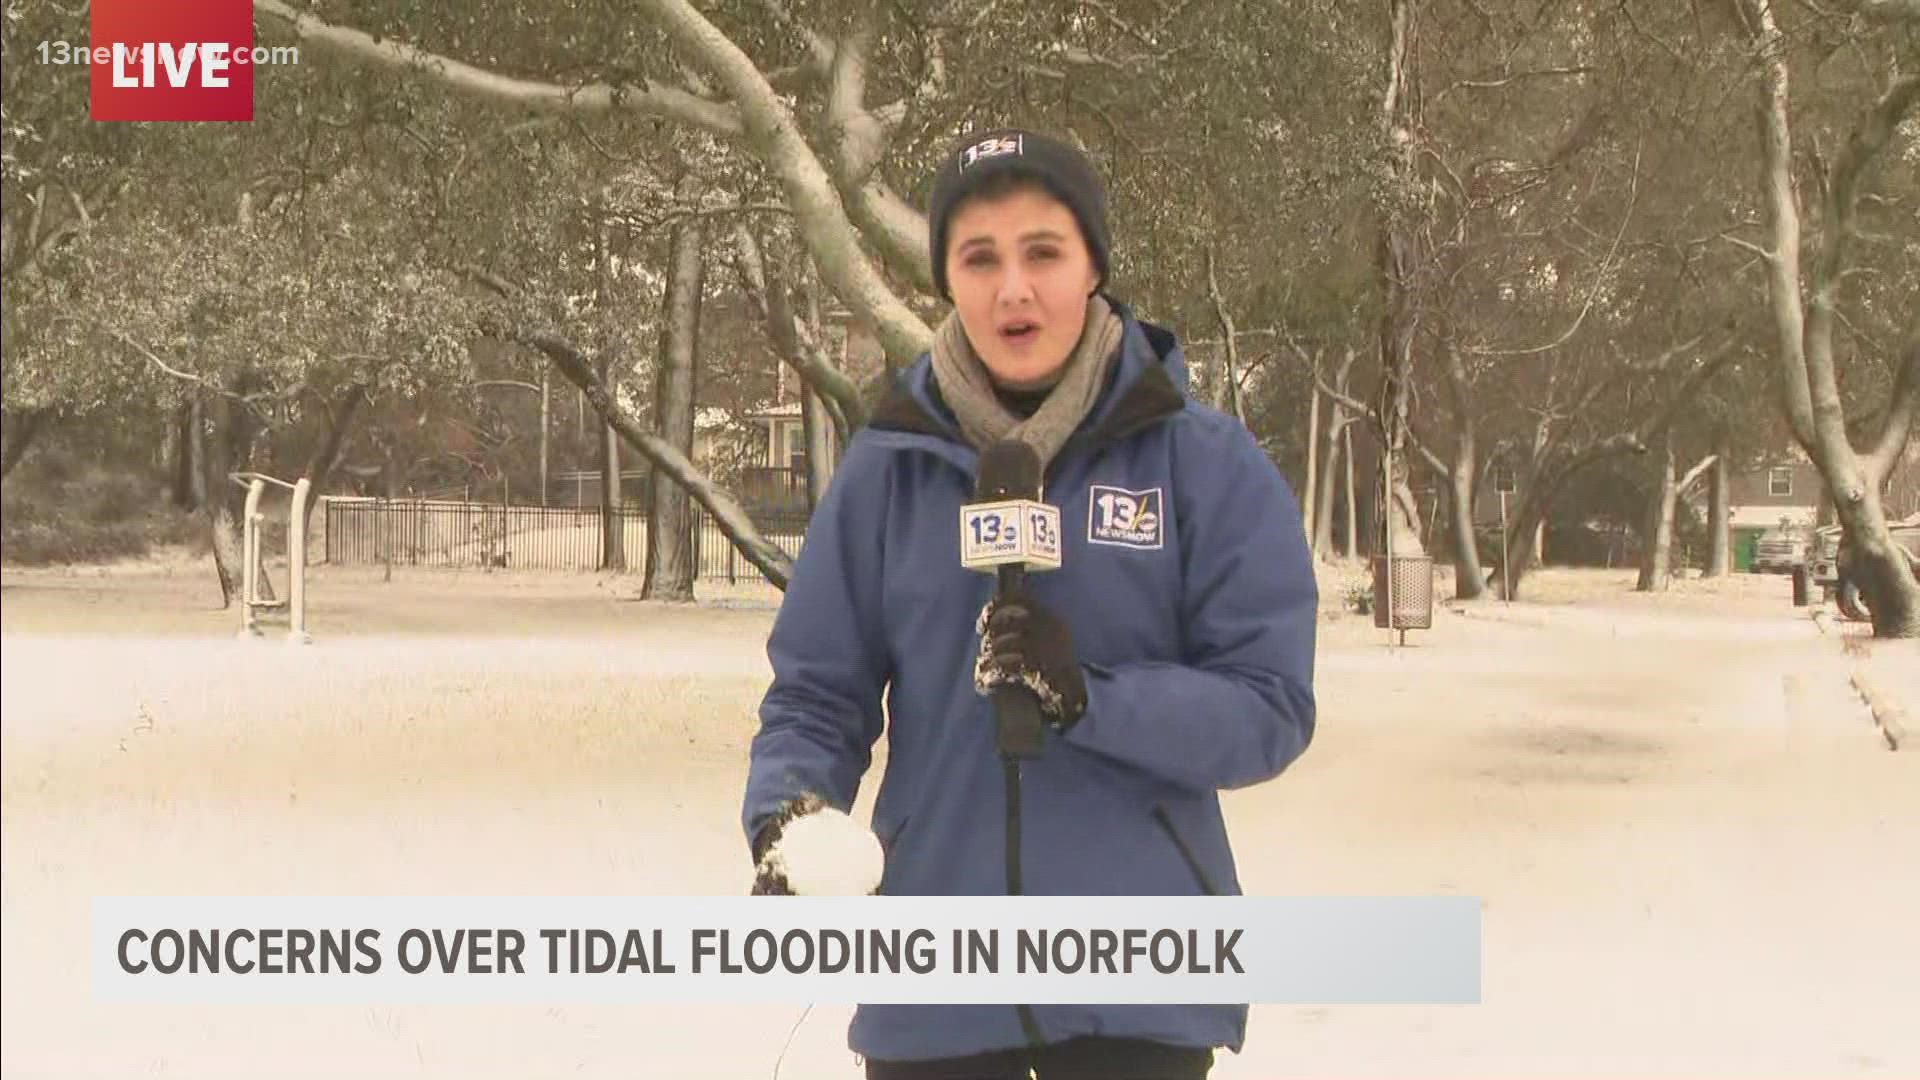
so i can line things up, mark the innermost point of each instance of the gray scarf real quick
(968, 388)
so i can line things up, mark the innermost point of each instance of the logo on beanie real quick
(989, 148)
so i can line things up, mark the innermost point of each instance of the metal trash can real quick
(1412, 577)
(1802, 587)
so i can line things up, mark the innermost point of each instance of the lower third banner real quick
(895, 949)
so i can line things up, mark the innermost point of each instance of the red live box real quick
(172, 60)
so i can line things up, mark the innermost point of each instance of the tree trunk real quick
(1399, 528)
(227, 547)
(1882, 572)
(1656, 552)
(22, 429)
(1469, 580)
(670, 569)
(236, 431)
(185, 444)
(546, 432)
(389, 524)
(1353, 500)
(1337, 437)
(1803, 328)
(1469, 577)
(1719, 529)
(333, 444)
(1401, 260)
(1329, 487)
(613, 526)
(197, 443)
(811, 421)
(1309, 502)
(815, 418)
(1226, 395)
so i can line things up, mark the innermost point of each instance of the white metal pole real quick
(297, 565)
(250, 556)
(1506, 572)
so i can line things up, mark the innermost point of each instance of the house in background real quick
(778, 483)
(1902, 497)
(765, 444)
(1785, 489)
(751, 439)
(1788, 489)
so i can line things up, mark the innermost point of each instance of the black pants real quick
(1088, 1058)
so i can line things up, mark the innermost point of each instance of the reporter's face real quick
(1020, 275)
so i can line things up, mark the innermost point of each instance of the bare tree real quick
(1656, 553)
(1402, 268)
(1719, 499)
(752, 115)
(1803, 302)
(613, 526)
(581, 368)
(1339, 443)
(1227, 397)
(1561, 459)
(670, 567)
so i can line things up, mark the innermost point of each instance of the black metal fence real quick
(421, 532)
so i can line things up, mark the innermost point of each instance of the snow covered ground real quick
(1696, 854)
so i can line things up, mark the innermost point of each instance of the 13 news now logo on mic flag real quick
(172, 60)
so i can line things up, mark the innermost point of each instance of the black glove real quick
(1024, 644)
(811, 848)
(769, 874)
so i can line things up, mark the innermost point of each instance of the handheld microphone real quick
(1007, 529)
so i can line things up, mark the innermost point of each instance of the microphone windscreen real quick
(1008, 469)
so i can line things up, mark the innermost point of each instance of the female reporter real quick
(1172, 651)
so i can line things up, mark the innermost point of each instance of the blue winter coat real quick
(1190, 595)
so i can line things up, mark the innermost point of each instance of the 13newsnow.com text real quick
(133, 59)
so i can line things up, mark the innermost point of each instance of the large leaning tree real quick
(1805, 295)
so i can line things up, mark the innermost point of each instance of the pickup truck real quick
(1825, 568)
(1782, 549)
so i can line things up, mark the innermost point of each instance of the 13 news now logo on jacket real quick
(172, 60)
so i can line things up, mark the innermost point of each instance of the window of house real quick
(1780, 481)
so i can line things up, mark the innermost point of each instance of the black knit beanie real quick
(1061, 169)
